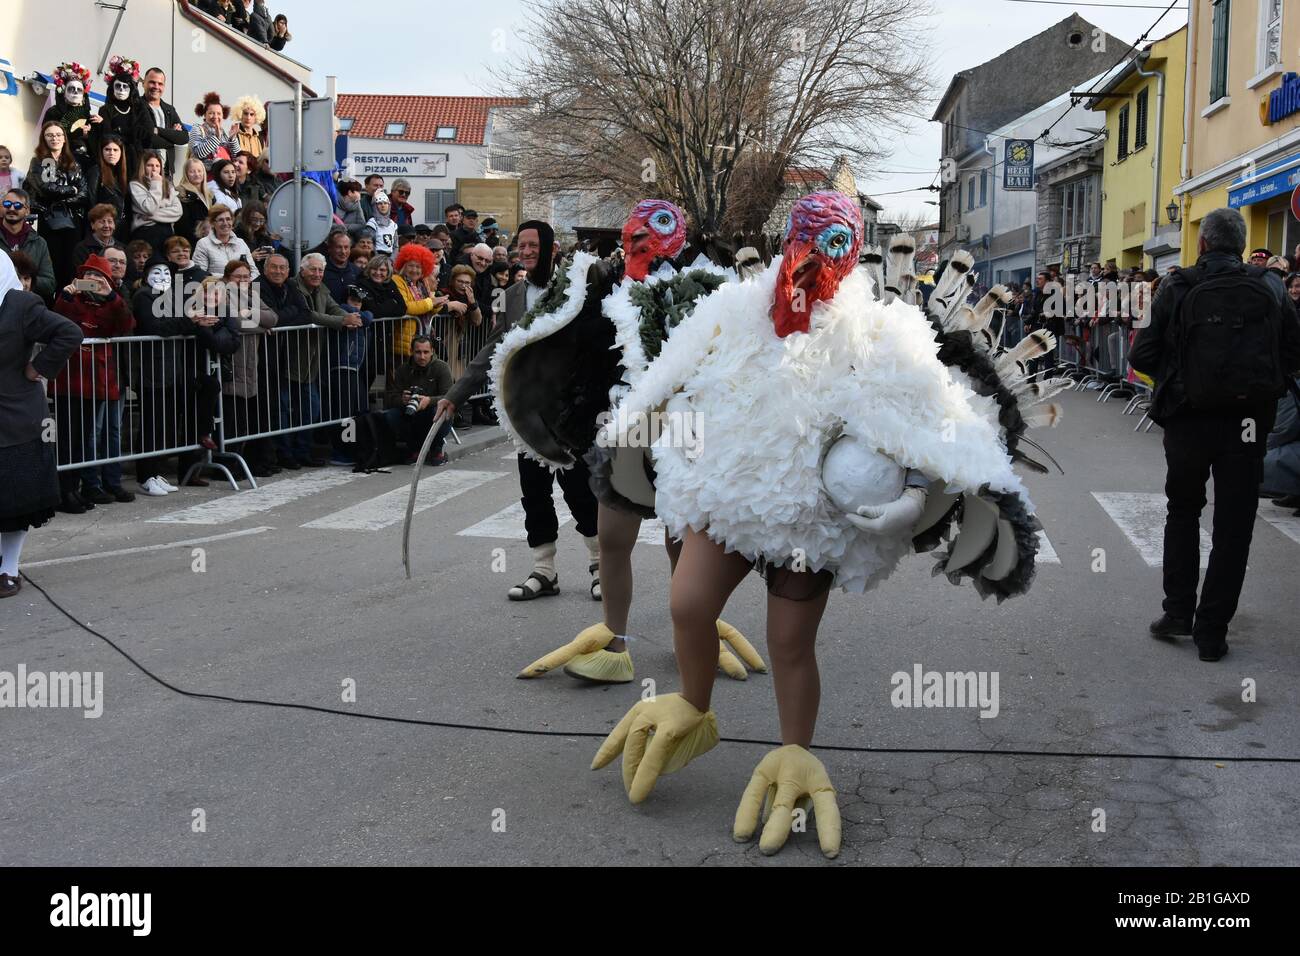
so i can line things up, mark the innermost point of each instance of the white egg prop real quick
(855, 474)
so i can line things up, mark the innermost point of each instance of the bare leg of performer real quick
(706, 576)
(791, 642)
(674, 549)
(617, 531)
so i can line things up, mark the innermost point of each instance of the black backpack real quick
(1226, 340)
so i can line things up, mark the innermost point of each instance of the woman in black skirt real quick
(27, 468)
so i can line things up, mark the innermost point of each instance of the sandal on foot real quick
(535, 585)
(594, 570)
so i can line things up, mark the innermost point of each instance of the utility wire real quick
(594, 734)
(1075, 101)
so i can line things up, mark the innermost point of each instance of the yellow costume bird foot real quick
(657, 736)
(784, 780)
(602, 667)
(589, 641)
(731, 663)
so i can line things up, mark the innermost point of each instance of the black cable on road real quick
(600, 734)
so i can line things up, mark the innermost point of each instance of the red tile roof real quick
(806, 176)
(372, 112)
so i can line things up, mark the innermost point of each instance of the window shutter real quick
(1122, 141)
(1140, 129)
(1219, 51)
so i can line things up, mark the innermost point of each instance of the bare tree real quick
(707, 102)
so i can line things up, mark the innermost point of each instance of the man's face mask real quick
(121, 91)
(74, 92)
(159, 278)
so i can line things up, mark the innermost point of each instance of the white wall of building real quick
(37, 35)
(469, 162)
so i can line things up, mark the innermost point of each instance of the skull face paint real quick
(74, 92)
(121, 90)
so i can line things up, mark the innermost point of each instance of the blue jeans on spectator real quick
(299, 406)
(105, 442)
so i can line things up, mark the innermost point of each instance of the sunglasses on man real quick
(10, 204)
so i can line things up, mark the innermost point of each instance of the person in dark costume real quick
(124, 112)
(28, 472)
(536, 246)
(71, 109)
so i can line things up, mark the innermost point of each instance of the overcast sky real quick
(404, 46)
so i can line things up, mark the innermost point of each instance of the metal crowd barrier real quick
(161, 385)
(281, 383)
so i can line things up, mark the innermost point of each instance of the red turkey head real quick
(656, 229)
(822, 239)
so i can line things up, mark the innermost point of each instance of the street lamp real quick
(1172, 211)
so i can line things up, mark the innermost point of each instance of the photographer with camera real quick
(411, 398)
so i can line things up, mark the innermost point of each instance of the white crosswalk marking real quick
(235, 507)
(387, 509)
(1285, 522)
(1141, 516)
(509, 522)
(510, 456)
(1046, 553)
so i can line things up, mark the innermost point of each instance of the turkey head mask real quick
(822, 239)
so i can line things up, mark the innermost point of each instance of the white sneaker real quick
(154, 486)
(166, 485)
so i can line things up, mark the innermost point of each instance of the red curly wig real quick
(411, 252)
(208, 100)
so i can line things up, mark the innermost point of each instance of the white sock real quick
(593, 548)
(11, 546)
(544, 560)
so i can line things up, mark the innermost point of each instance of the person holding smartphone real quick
(87, 397)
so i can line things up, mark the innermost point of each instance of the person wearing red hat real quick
(88, 399)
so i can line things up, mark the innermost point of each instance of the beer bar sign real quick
(1018, 164)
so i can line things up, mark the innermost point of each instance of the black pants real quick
(166, 420)
(1198, 444)
(540, 521)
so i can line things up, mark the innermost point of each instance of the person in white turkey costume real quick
(806, 422)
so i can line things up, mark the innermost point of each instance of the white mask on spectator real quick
(160, 278)
(74, 92)
(121, 90)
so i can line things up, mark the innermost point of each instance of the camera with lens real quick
(360, 293)
(415, 393)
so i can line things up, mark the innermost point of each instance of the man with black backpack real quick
(1222, 340)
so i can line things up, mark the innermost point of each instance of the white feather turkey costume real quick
(765, 408)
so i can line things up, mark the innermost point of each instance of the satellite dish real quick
(317, 214)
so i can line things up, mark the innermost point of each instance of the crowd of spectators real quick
(152, 227)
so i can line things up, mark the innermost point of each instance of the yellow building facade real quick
(1242, 119)
(1143, 105)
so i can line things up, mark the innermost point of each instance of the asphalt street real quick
(1127, 749)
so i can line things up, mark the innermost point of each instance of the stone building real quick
(986, 97)
(1069, 209)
